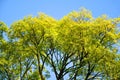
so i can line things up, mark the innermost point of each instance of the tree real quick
(3, 29)
(34, 34)
(85, 46)
(16, 62)
(75, 47)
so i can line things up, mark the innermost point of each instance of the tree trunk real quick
(39, 67)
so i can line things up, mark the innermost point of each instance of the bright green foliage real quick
(90, 41)
(76, 47)
(3, 29)
(93, 38)
(34, 35)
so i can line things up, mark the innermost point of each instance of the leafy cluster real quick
(76, 47)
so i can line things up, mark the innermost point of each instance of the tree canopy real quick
(76, 47)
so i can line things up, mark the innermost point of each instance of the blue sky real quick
(12, 10)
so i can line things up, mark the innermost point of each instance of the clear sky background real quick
(13, 10)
